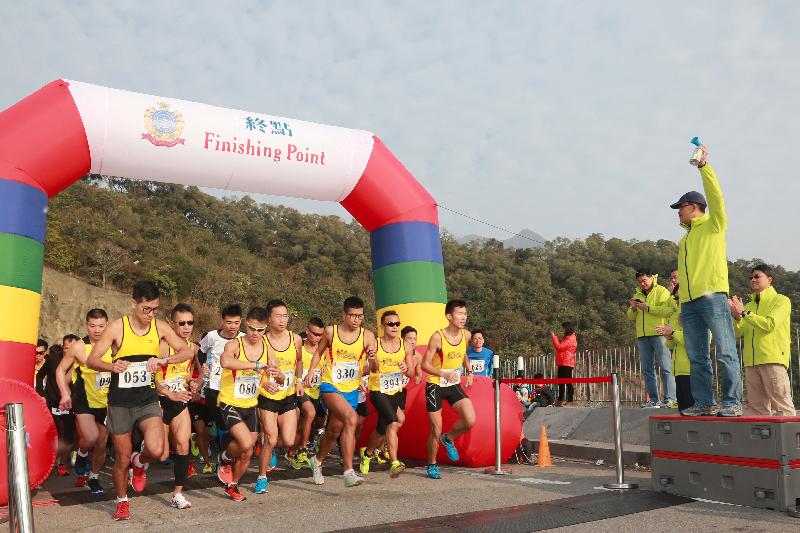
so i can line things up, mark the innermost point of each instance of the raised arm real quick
(716, 204)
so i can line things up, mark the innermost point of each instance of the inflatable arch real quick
(67, 129)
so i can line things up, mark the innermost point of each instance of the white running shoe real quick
(316, 470)
(351, 479)
(179, 502)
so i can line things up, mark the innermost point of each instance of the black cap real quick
(691, 197)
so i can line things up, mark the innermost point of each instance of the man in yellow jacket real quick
(703, 289)
(764, 324)
(650, 307)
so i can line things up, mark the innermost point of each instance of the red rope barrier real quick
(556, 381)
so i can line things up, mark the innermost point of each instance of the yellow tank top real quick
(343, 370)
(313, 391)
(389, 378)
(450, 357)
(96, 384)
(287, 361)
(175, 376)
(135, 387)
(239, 388)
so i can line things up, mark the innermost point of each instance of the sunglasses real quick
(393, 324)
(185, 322)
(259, 330)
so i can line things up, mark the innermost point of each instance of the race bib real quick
(477, 365)
(317, 377)
(443, 380)
(214, 376)
(56, 411)
(136, 375)
(288, 380)
(344, 371)
(175, 384)
(391, 382)
(245, 386)
(102, 380)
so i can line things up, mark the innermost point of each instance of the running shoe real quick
(452, 453)
(302, 456)
(273, 462)
(700, 410)
(61, 470)
(138, 475)
(651, 405)
(81, 465)
(94, 485)
(208, 468)
(123, 511)
(193, 449)
(730, 411)
(191, 472)
(364, 459)
(351, 479)
(672, 405)
(262, 486)
(396, 469)
(433, 472)
(73, 457)
(80, 481)
(224, 472)
(179, 502)
(232, 492)
(294, 460)
(316, 470)
(381, 456)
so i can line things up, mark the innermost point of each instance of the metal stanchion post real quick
(498, 468)
(20, 513)
(616, 413)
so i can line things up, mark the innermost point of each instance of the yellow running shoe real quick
(365, 459)
(208, 468)
(396, 469)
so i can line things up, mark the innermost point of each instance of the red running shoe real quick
(138, 475)
(232, 492)
(80, 481)
(61, 470)
(191, 472)
(123, 511)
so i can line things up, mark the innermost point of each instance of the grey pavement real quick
(295, 504)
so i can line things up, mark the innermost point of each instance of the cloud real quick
(568, 119)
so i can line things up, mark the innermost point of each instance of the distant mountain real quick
(525, 239)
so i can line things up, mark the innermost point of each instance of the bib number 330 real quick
(344, 371)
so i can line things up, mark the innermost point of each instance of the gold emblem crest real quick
(164, 127)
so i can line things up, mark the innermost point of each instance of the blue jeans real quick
(653, 351)
(699, 316)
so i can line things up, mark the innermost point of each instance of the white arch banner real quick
(179, 141)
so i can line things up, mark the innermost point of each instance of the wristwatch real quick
(745, 313)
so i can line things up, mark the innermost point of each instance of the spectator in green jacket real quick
(649, 307)
(764, 324)
(673, 333)
(703, 289)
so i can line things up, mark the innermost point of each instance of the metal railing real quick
(626, 363)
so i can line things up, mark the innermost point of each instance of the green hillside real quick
(209, 252)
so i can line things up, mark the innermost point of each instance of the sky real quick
(566, 118)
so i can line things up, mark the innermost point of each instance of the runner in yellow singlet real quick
(87, 396)
(132, 398)
(312, 412)
(444, 360)
(175, 387)
(394, 361)
(277, 403)
(246, 366)
(346, 346)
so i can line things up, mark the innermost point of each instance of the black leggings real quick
(386, 405)
(565, 372)
(683, 390)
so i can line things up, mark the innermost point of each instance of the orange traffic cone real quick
(544, 450)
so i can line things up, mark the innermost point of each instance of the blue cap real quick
(691, 197)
